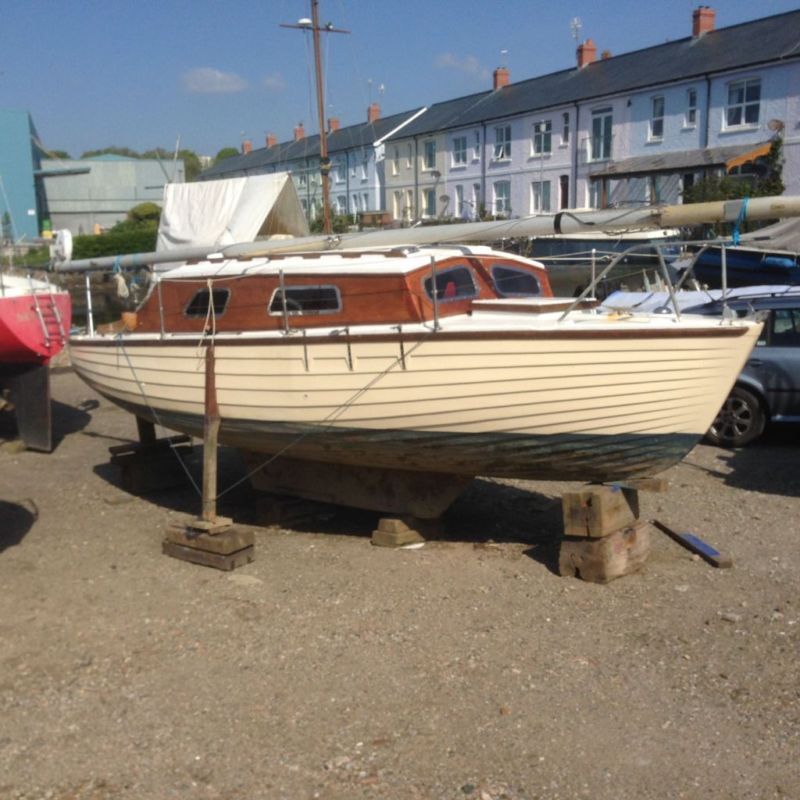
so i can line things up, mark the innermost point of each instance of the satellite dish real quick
(62, 249)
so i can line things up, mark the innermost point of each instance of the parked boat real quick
(35, 318)
(770, 255)
(371, 353)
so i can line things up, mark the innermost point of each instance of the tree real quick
(62, 154)
(226, 152)
(191, 163)
(114, 151)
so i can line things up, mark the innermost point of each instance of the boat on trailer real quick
(449, 361)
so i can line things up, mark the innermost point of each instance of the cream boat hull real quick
(598, 401)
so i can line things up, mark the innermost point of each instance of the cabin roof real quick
(336, 264)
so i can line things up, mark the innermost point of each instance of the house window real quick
(657, 119)
(364, 163)
(744, 100)
(429, 203)
(341, 204)
(476, 147)
(306, 300)
(397, 203)
(455, 283)
(690, 120)
(476, 200)
(601, 135)
(459, 151)
(409, 155)
(502, 142)
(408, 210)
(340, 171)
(459, 207)
(502, 197)
(365, 202)
(429, 159)
(542, 138)
(565, 128)
(396, 161)
(198, 305)
(302, 179)
(563, 190)
(540, 197)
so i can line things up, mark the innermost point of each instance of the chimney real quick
(333, 124)
(605, 55)
(702, 21)
(272, 140)
(247, 146)
(299, 132)
(586, 53)
(373, 113)
(502, 77)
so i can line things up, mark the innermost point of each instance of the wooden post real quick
(210, 432)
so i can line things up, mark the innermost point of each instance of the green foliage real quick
(7, 229)
(141, 239)
(62, 154)
(145, 212)
(111, 151)
(340, 223)
(226, 152)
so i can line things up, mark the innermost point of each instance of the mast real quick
(324, 160)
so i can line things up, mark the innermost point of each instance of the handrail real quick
(39, 314)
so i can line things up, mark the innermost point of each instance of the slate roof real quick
(749, 44)
(349, 138)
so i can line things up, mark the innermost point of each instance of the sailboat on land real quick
(400, 351)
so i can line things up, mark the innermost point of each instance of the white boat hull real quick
(599, 402)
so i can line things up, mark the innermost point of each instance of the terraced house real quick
(634, 128)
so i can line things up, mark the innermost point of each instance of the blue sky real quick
(141, 74)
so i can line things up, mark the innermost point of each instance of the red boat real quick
(35, 319)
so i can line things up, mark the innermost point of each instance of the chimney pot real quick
(247, 146)
(703, 21)
(606, 54)
(272, 140)
(333, 124)
(502, 77)
(373, 113)
(586, 53)
(299, 132)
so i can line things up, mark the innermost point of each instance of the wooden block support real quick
(599, 510)
(600, 560)
(226, 562)
(396, 532)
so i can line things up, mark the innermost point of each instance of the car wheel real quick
(740, 420)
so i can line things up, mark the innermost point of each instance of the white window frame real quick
(656, 126)
(429, 155)
(458, 192)
(565, 125)
(541, 197)
(742, 105)
(542, 138)
(502, 143)
(690, 117)
(459, 151)
(502, 199)
(606, 137)
(395, 160)
(409, 155)
(429, 203)
(476, 151)
(340, 172)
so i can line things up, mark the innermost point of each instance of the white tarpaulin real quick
(224, 212)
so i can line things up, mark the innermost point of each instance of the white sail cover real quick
(223, 212)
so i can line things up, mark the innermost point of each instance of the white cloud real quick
(468, 64)
(274, 82)
(207, 80)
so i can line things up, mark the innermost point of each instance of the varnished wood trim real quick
(227, 340)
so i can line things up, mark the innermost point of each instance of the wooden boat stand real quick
(210, 540)
(603, 536)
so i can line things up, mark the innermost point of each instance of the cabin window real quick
(785, 327)
(454, 283)
(301, 300)
(199, 304)
(514, 282)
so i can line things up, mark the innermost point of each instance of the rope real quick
(735, 238)
(330, 419)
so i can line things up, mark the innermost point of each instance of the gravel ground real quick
(329, 668)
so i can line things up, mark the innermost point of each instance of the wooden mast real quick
(324, 160)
